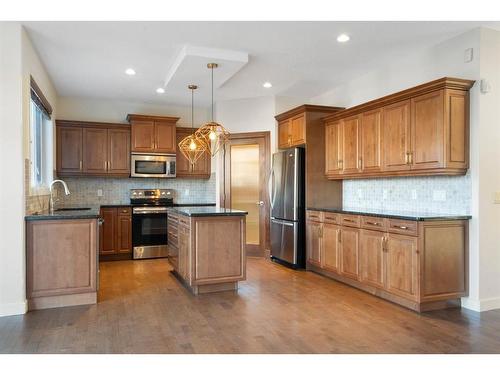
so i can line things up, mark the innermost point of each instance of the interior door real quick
(245, 169)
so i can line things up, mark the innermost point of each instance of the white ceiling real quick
(301, 59)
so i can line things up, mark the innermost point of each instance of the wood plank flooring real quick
(143, 309)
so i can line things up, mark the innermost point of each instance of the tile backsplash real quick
(436, 194)
(84, 190)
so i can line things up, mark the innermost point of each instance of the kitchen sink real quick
(73, 209)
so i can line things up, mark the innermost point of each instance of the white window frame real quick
(46, 153)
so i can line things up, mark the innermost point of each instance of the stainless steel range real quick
(149, 222)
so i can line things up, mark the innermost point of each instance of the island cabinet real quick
(202, 167)
(116, 233)
(153, 134)
(208, 251)
(92, 149)
(61, 262)
(420, 131)
(421, 265)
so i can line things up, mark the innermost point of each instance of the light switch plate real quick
(439, 195)
(99, 192)
(496, 200)
(186, 192)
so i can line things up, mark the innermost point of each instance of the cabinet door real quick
(95, 150)
(165, 137)
(143, 136)
(69, 150)
(427, 131)
(350, 145)
(333, 148)
(284, 136)
(349, 245)
(371, 258)
(298, 130)
(330, 247)
(202, 168)
(401, 265)
(182, 165)
(313, 235)
(370, 141)
(119, 151)
(108, 231)
(124, 231)
(396, 136)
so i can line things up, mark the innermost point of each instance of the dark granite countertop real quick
(194, 204)
(207, 211)
(67, 214)
(403, 215)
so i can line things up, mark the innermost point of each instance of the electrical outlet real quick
(469, 55)
(439, 195)
(99, 192)
(186, 192)
(385, 194)
(414, 194)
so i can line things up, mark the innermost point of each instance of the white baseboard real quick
(19, 308)
(482, 304)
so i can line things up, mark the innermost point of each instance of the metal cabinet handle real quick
(340, 235)
(81, 164)
(360, 163)
(373, 223)
(260, 203)
(349, 220)
(400, 227)
(384, 243)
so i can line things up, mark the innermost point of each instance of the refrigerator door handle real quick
(272, 194)
(288, 224)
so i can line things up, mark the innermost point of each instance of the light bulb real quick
(192, 145)
(212, 136)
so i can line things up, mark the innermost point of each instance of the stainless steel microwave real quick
(152, 165)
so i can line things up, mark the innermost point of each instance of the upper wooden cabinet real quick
(202, 167)
(294, 124)
(153, 134)
(420, 131)
(92, 149)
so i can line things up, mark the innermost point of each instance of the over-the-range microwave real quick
(152, 165)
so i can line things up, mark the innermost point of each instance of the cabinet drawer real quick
(350, 220)
(374, 223)
(331, 218)
(402, 227)
(124, 210)
(314, 215)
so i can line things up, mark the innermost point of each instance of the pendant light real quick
(191, 147)
(212, 134)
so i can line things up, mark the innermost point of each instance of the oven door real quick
(162, 166)
(149, 229)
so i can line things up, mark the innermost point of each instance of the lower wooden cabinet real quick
(116, 231)
(418, 264)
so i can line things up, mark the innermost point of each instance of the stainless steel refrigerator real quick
(287, 197)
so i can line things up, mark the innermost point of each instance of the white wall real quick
(12, 259)
(92, 109)
(447, 59)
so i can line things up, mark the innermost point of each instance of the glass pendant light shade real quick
(191, 146)
(212, 134)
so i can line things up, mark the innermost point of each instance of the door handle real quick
(260, 203)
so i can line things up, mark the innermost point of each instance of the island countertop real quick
(207, 211)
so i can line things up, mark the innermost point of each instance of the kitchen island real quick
(207, 247)
(62, 258)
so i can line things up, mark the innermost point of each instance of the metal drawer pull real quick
(372, 223)
(349, 220)
(400, 227)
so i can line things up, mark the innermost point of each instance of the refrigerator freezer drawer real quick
(284, 240)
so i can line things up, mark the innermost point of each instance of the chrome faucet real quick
(51, 201)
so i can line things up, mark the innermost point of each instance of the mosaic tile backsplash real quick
(84, 190)
(436, 194)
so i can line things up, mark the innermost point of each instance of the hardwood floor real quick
(143, 309)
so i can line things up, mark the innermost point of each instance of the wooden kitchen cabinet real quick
(153, 134)
(202, 167)
(116, 233)
(292, 131)
(420, 131)
(92, 149)
(421, 265)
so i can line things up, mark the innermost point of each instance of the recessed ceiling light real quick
(342, 38)
(130, 72)
(267, 85)
(160, 90)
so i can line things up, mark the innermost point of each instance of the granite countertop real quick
(207, 211)
(403, 215)
(67, 214)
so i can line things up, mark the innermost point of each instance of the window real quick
(40, 142)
